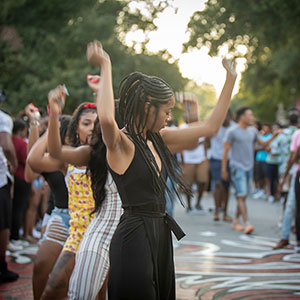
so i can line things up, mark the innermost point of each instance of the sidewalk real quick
(213, 261)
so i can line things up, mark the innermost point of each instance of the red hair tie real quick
(90, 105)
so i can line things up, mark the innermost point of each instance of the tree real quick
(268, 30)
(43, 43)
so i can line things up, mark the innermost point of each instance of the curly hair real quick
(73, 139)
(64, 125)
(135, 91)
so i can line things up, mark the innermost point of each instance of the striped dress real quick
(92, 257)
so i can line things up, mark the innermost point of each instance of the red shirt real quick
(21, 151)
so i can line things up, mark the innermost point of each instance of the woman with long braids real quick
(141, 254)
(81, 202)
(57, 230)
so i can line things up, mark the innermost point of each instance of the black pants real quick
(141, 260)
(297, 191)
(22, 191)
(272, 173)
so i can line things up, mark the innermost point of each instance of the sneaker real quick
(258, 194)
(200, 209)
(271, 199)
(5, 274)
(281, 244)
(22, 243)
(8, 276)
(189, 211)
(13, 248)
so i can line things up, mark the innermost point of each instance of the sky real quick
(197, 64)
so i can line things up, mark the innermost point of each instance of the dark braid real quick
(135, 91)
(97, 166)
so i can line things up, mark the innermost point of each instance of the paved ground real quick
(213, 261)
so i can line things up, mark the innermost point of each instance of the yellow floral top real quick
(81, 204)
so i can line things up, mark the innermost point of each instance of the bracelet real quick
(34, 123)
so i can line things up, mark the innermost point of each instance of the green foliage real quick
(206, 96)
(43, 44)
(269, 31)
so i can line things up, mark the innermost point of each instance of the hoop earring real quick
(77, 138)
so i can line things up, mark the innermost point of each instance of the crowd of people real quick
(104, 182)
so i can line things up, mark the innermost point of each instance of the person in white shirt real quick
(195, 168)
(220, 187)
(8, 165)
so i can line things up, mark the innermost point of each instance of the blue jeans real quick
(169, 201)
(289, 211)
(241, 180)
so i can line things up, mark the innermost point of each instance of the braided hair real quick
(97, 167)
(135, 91)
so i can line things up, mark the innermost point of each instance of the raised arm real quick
(105, 97)
(213, 123)
(76, 156)
(39, 160)
(33, 126)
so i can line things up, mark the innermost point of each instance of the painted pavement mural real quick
(249, 270)
(242, 268)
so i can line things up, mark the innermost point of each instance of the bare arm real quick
(214, 122)
(40, 161)
(105, 97)
(65, 154)
(267, 143)
(120, 149)
(225, 160)
(9, 150)
(34, 133)
(29, 174)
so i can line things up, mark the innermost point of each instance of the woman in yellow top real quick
(81, 202)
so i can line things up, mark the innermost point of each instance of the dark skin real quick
(221, 192)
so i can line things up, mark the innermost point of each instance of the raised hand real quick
(56, 99)
(93, 82)
(229, 66)
(96, 55)
(30, 111)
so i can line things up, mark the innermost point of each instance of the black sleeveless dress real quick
(141, 251)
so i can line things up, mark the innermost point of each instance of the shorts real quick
(216, 172)
(5, 206)
(57, 229)
(196, 172)
(260, 170)
(38, 183)
(241, 180)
